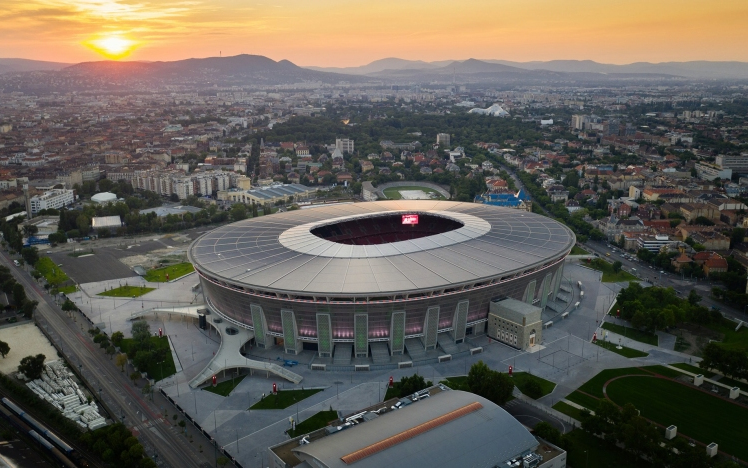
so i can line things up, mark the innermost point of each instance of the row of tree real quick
(657, 308)
(14, 289)
(729, 362)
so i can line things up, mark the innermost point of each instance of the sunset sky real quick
(355, 32)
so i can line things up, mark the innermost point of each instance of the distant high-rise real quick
(344, 145)
(442, 139)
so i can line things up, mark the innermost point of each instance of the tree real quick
(490, 384)
(141, 331)
(30, 230)
(410, 385)
(120, 361)
(117, 338)
(693, 297)
(69, 306)
(110, 351)
(28, 308)
(4, 348)
(533, 390)
(30, 255)
(32, 366)
(83, 223)
(222, 461)
(174, 197)
(134, 376)
(238, 212)
(19, 295)
(547, 432)
(617, 266)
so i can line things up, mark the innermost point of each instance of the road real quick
(657, 277)
(167, 448)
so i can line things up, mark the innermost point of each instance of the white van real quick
(15, 262)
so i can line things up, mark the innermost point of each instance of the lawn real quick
(67, 289)
(52, 273)
(588, 450)
(624, 351)
(633, 333)
(457, 383)
(578, 251)
(594, 386)
(283, 399)
(155, 370)
(584, 400)
(317, 421)
(733, 340)
(694, 369)
(522, 379)
(699, 415)
(569, 410)
(174, 272)
(126, 291)
(393, 193)
(226, 387)
(664, 371)
(609, 276)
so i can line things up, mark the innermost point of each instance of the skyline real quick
(333, 33)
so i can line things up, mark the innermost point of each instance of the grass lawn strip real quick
(226, 387)
(456, 383)
(174, 272)
(155, 370)
(589, 450)
(632, 333)
(52, 273)
(697, 414)
(317, 421)
(126, 291)
(663, 371)
(283, 399)
(693, 369)
(521, 379)
(733, 340)
(568, 410)
(393, 193)
(609, 276)
(583, 399)
(624, 351)
(67, 289)
(594, 386)
(578, 251)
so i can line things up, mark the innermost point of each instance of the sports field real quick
(414, 192)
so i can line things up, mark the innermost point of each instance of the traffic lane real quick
(71, 337)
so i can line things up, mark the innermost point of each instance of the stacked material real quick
(57, 387)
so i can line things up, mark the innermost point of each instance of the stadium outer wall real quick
(460, 313)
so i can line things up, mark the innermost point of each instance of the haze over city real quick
(340, 33)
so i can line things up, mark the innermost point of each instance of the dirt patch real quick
(156, 258)
(696, 337)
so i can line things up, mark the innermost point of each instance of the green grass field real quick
(67, 289)
(52, 273)
(624, 351)
(594, 386)
(126, 291)
(633, 333)
(569, 410)
(283, 399)
(226, 387)
(457, 383)
(174, 272)
(664, 371)
(733, 340)
(393, 193)
(590, 451)
(317, 421)
(697, 414)
(155, 370)
(578, 251)
(609, 276)
(522, 379)
(584, 400)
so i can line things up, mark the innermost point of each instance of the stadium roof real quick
(278, 253)
(452, 428)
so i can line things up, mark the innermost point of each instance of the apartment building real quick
(51, 199)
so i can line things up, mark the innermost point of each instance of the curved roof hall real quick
(278, 254)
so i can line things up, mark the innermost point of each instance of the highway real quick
(167, 448)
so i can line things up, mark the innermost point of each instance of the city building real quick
(51, 199)
(295, 278)
(442, 139)
(436, 427)
(517, 323)
(344, 145)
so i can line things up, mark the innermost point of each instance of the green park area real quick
(67, 289)
(733, 340)
(283, 399)
(51, 272)
(588, 450)
(393, 193)
(569, 410)
(610, 275)
(317, 421)
(126, 291)
(169, 273)
(694, 369)
(576, 250)
(531, 385)
(632, 333)
(697, 414)
(624, 351)
(156, 359)
(226, 387)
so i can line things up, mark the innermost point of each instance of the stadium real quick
(377, 274)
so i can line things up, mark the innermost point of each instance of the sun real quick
(114, 46)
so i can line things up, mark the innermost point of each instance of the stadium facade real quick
(377, 271)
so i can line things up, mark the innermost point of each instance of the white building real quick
(52, 199)
(344, 145)
(442, 139)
